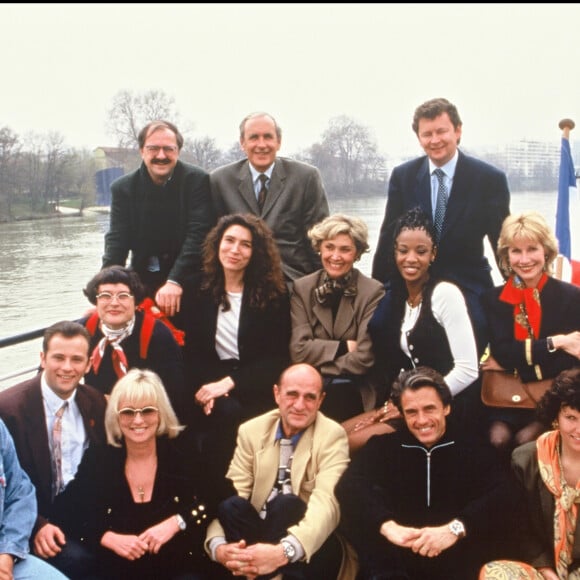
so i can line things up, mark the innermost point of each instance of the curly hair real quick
(263, 277)
(414, 219)
(115, 275)
(564, 392)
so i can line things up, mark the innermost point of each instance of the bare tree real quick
(130, 112)
(9, 150)
(203, 152)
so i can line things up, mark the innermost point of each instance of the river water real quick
(45, 264)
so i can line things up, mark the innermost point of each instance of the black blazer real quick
(130, 223)
(263, 343)
(478, 204)
(22, 410)
(560, 315)
(185, 484)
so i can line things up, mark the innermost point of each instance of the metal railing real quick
(18, 339)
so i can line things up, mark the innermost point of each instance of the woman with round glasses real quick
(122, 337)
(143, 501)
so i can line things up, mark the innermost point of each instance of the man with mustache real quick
(160, 213)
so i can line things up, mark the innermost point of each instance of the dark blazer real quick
(263, 338)
(296, 200)
(560, 315)
(22, 410)
(184, 482)
(132, 222)
(478, 204)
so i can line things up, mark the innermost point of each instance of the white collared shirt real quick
(74, 438)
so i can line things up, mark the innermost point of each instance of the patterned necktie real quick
(263, 190)
(57, 479)
(283, 483)
(441, 206)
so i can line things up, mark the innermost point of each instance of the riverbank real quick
(60, 212)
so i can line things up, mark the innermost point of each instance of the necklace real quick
(141, 493)
(414, 302)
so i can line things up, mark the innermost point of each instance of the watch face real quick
(289, 550)
(457, 528)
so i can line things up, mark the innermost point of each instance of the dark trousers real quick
(75, 561)
(240, 520)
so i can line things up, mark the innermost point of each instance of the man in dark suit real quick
(160, 213)
(31, 409)
(478, 201)
(288, 195)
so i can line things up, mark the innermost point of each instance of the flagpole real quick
(566, 125)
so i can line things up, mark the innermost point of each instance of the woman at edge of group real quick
(143, 501)
(533, 321)
(330, 310)
(424, 321)
(547, 472)
(237, 327)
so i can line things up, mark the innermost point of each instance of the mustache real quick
(160, 162)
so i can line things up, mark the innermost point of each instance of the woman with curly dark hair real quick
(237, 324)
(547, 471)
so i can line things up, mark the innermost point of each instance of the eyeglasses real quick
(130, 413)
(120, 296)
(167, 149)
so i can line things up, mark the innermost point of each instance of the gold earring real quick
(555, 424)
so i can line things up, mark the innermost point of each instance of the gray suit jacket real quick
(296, 200)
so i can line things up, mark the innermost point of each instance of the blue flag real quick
(566, 180)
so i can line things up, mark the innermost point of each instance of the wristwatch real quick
(550, 344)
(289, 550)
(456, 527)
(180, 522)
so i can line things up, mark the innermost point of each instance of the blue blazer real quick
(478, 204)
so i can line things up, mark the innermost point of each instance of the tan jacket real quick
(320, 458)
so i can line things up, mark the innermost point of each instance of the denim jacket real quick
(17, 500)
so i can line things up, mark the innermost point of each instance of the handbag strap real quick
(526, 388)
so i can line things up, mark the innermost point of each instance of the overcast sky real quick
(513, 70)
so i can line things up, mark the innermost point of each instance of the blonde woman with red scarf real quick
(534, 321)
(547, 472)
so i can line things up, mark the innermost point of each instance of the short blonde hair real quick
(137, 386)
(338, 224)
(528, 225)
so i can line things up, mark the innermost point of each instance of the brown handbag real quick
(505, 389)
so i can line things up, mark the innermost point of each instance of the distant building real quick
(111, 163)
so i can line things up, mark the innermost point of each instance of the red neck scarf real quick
(527, 306)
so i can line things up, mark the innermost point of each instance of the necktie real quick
(263, 190)
(57, 479)
(441, 205)
(283, 483)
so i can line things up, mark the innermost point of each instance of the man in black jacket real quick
(160, 213)
(423, 502)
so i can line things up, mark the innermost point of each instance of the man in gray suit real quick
(288, 195)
